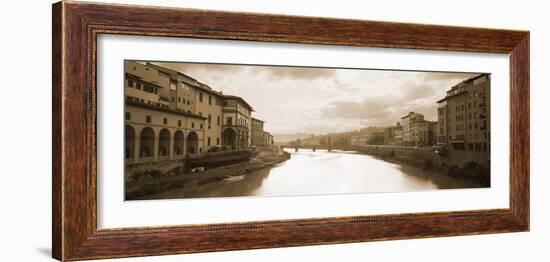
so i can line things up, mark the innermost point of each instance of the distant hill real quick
(284, 138)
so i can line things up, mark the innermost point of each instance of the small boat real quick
(231, 179)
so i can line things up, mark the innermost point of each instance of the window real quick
(188, 102)
(127, 116)
(208, 141)
(218, 141)
(148, 88)
(179, 99)
(229, 121)
(218, 120)
(165, 121)
(192, 124)
(209, 99)
(209, 119)
(200, 97)
(148, 119)
(173, 84)
(202, 126)
(138, 86)
(130, 83)
(179, 123)
(478, 146)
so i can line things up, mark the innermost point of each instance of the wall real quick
(25, 190)
(213, 109)
(418, 156)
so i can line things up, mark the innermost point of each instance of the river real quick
(336, 172)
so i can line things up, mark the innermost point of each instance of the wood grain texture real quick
(75, 29)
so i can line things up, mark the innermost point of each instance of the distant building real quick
(393, 135)
(398, 135)
(464, 115)
(371, 138)
(422, 133)
(407, 122)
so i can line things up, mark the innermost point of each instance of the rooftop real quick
(240, 99)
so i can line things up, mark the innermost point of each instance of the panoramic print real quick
(197, 130)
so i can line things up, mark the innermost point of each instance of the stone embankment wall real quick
(465, 164)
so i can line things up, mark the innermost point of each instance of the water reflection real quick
(337, 172)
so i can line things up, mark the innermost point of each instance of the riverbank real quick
(202, 178)
(455, 164)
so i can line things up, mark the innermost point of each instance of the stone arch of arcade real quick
(230, 138)
(148, 143)
(192, 143)
(179, 142)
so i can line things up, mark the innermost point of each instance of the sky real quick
(305, 100)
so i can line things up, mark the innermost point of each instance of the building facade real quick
(370, 138)
(237, 123)
(464, 115)
(258, 138)
(407, 122)
(170, 115)
(422, 133)
(393, 135)
(268, 139)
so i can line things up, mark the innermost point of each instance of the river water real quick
(336, 172)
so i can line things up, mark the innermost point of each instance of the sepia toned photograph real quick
(199, 130)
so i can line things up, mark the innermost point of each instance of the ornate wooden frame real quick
(76, 26)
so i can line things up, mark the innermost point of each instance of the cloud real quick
(296, 73)
(447, 76)
(191, 68)
(386, 109)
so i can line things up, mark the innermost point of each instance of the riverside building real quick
(464, 115)
(170, 115)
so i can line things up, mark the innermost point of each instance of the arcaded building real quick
(464, 115)
(170, 115)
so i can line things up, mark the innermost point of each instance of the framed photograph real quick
(181, 130)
